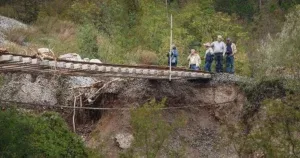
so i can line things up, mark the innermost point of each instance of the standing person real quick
(174, 56)
(219, 48)
(209, 57)
(230, 51)
(194, 60)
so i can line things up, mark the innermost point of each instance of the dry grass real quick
(147, 57)
(19, 35)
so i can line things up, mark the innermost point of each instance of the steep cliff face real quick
(207, 106)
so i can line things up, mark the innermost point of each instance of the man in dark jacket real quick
(174, 56)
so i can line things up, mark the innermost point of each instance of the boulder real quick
(124, 140)
(95, 61)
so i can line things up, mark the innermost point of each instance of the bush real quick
(87, 41)
(274, 133)
(151, 130)
(147, 57)
(46, 135)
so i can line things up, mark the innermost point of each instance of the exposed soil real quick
(208, 105)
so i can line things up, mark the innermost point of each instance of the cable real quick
(124, 109)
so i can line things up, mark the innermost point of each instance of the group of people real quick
(214, 51)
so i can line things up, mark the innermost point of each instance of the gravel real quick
(229, 78)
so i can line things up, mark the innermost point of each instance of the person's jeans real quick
(219, 62)
(194, 67)
(173, 64)
(230, 64)
(208, 61)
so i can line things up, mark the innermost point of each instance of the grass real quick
(58, 35)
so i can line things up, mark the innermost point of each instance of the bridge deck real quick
(21, 63)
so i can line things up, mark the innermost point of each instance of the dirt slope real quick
(211, 104)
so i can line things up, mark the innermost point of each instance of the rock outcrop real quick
(8, 24)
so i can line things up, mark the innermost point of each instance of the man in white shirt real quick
(219, 48)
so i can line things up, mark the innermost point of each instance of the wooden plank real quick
(138, 71)
(69, 65)
(207, 75)
(17, 58)
(145, 71)
(152, 72)
(6, 57)
(85, 67)
(131, 70)
(108, 68)
(61, 64)
(166, 73)
(124, 70)
(116, 69)
(26, 60)
(94, 67)
(77, 66)
(44, 62)
(101, 68)
(34, 61)
(53, 63)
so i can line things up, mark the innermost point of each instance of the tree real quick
(280, 56)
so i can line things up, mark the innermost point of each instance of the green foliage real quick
(87, 41)
(127, 27)
(123, 28)
(29, 10)
(275, 133)
(199, 23)
(279, 56)
(243, 8)
(288, 4)
(150, 130)
(25, 10)
(47, 135)
(259, 90)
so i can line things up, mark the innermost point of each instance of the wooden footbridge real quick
(10, 62)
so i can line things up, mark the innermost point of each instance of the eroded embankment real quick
(206, 105)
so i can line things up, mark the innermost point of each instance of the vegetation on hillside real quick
(126, 31)
(151, 131)
(45, 135)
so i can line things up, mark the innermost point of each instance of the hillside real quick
(252, 113)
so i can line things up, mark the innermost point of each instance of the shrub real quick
(151, 130)
(274, 133)
(87, 41)
(46, 135)
(147, 57)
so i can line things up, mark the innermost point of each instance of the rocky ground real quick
(210, 105)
